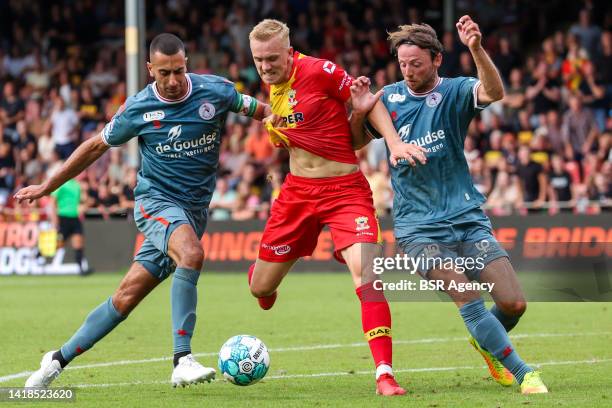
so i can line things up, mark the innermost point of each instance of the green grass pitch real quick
(318, 355)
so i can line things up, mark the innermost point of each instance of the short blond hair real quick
(268, 29)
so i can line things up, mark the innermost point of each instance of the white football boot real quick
(48, 371)
(189, 371)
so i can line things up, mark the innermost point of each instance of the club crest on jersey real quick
(174, 133)
(433, 99)
(207, 111)
(362, 223)
(291, 98)
(153, 116)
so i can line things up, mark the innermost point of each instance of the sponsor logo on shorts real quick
(362, 223)
(207, 111)
(483, 248)
(432, 250)
(153, 115)
(278, 249)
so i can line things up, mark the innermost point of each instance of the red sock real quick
(376, 321)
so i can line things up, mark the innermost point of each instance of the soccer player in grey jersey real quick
(436, 207)
(178, 120)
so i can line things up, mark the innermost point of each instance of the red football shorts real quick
(305, 205)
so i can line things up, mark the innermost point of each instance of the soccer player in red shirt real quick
(325, 186)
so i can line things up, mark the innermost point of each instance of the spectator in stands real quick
(544, 90)
(223, 201)
(25, 151)
(450, 59)
(108, 201)
(515, 99)
(603, 61)
(532, 177)
(505, 59)
(551, 128)
(12, 107)
(258, 144)
(235, 157)
(7, 168)
(247, 203)
(594, 96)
(100, 79)
(63, 126)
(126, 196)
(507, 194)
(551, 57)
(587, 33)
(571, 69)
(559, 184)
(89, 110)
(579, 128)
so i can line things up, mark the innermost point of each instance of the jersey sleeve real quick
(336, 81)
(119, 130)
(237, 102)
(467, 98)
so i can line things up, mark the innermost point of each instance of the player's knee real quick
(260, 290)
(192, 257)
(514, 308)
(124, 301)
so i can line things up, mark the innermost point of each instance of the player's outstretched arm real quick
(380, 119)
(492, 88)
(87, 153)
(366, 105)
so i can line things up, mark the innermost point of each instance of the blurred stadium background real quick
(542, 155)
(544, 149)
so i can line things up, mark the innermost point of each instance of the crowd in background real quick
(545, 147)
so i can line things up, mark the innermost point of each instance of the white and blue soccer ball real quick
(244, 359)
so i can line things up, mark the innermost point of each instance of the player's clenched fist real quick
(469, 32)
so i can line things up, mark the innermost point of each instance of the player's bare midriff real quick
(306, 164)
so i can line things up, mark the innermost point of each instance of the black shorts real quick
(69, 226)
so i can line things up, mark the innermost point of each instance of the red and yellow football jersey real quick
(312, 105)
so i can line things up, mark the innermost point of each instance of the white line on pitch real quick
(344, 373)
(25, 374)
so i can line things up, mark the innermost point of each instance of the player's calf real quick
(265, 302)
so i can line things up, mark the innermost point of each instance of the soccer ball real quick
(244, 360)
